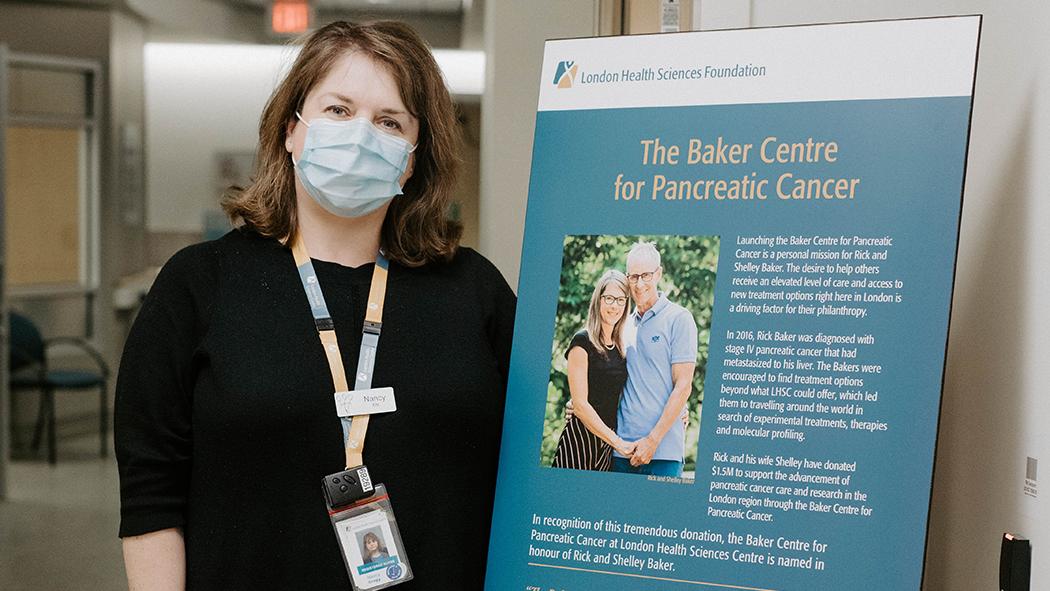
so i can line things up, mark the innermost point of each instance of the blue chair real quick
(29, 371)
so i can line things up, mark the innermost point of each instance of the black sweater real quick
(225, 422)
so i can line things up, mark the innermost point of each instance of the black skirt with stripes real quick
(580, 449)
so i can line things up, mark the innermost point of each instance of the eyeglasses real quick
(645, 277)
(613, 300)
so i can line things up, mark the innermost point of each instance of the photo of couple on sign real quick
(629, 354)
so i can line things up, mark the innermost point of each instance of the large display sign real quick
(733, 309)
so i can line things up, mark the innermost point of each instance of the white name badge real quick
(365, 402)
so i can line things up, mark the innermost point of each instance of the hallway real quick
(58, 529)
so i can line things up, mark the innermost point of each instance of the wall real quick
(123, 213)
(514, 36)
(473, 34)
(468, 186)
(72, 32)
(200, 99)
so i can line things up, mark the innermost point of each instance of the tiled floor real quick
(58, 527)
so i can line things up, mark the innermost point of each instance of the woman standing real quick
(225, 421)
(597, 372)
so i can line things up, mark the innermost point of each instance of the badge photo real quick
(370, 551)
(371, 544)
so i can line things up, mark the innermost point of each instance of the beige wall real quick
(123, 211)
(514, 36)
(79, 32)
(467, 188)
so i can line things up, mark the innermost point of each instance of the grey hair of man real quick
(646, 251)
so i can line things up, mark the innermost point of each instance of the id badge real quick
(371, 543)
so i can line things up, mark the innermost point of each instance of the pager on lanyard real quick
(361, 513)
(346, 487)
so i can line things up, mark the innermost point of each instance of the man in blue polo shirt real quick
(661, 359)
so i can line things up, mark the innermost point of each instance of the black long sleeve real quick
(225, 423)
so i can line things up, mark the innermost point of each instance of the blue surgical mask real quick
(351, 168)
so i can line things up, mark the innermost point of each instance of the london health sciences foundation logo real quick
(565, 75)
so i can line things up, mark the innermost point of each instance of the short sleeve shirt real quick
(664, 335)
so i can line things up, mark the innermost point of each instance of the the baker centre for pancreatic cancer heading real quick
(801, 187)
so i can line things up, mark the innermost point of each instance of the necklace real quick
(610, 347)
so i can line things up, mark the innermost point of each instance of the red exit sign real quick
(290, 17)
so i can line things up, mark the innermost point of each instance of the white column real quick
(514, 36)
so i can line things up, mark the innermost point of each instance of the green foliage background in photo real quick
(689, 264)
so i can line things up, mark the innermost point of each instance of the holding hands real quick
(640, 452)
(643, 451)
(624, 447)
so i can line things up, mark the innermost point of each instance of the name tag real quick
(365, 402)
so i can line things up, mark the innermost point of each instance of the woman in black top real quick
(225, 417)
(597, 372)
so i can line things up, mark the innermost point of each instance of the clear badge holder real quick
(370, 542)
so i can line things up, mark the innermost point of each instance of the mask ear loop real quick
(295, 165)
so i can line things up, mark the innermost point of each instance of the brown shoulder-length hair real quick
(417, 229)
